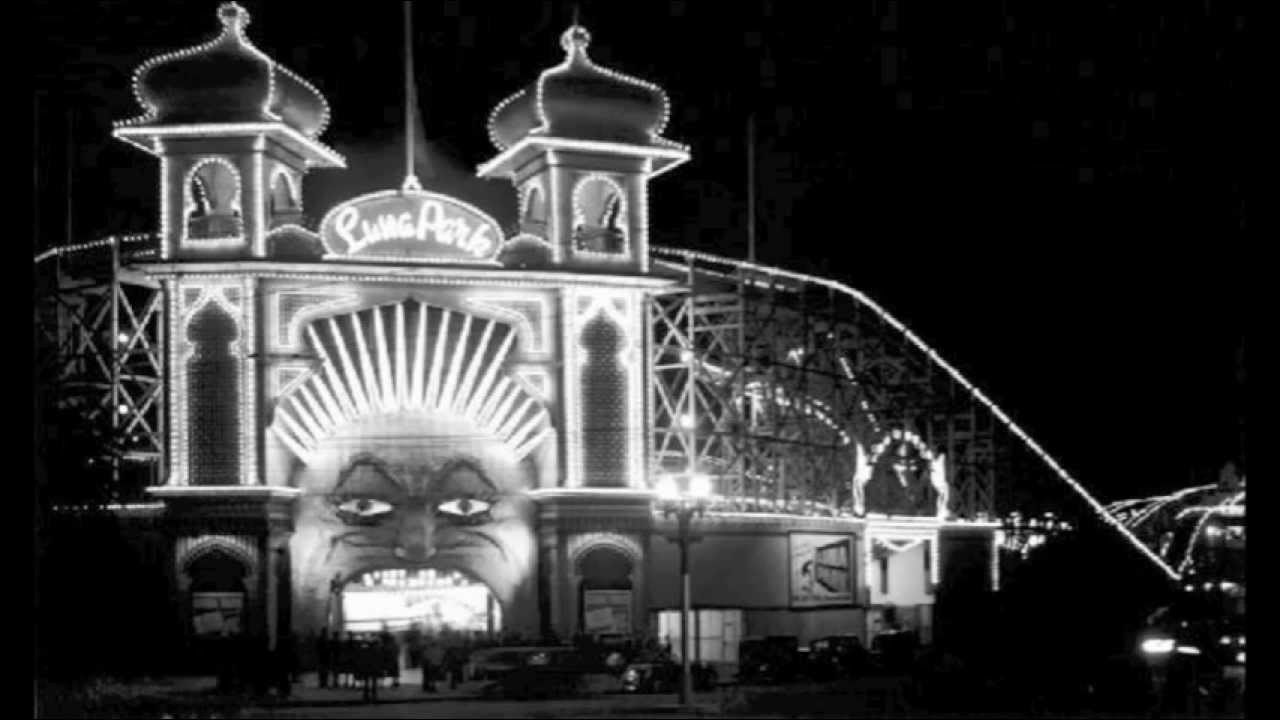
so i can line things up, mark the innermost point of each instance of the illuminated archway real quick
(415, 449)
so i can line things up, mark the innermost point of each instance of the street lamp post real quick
(684, 502)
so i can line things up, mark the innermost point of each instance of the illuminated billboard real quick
(821, 569)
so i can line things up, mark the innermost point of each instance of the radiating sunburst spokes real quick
(469, 378)
(419, 352)
(446, 394)
(410, 358)
(437, 360)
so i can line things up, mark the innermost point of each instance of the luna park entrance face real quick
(430, 599)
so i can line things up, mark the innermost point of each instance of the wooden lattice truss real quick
(99, 358)
(772, 387)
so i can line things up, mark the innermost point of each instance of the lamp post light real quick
(684, 496)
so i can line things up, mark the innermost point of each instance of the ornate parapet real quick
(584, 510)
(228, 509)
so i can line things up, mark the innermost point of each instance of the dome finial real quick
(233, 16)
(576, 38)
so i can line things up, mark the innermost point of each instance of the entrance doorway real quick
(433, 600)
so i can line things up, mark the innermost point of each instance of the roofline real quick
(673, 156)
(320, 154)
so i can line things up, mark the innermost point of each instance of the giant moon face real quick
(413, 491)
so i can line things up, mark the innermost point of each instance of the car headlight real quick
(1157, 646)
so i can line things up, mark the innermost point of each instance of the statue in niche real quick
(599, 222)
(213, 203)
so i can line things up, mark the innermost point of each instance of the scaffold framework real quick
(99, 355)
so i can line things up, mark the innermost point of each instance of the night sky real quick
(1051, 196)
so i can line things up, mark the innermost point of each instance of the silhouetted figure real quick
(413, 642)
(324, 657)
(347, 660)
(390, 650)
(432, 655)
(369, 668)
(454, 658)
(285, 664)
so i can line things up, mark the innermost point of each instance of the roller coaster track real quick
(746, 268)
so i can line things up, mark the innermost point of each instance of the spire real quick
(411, 183)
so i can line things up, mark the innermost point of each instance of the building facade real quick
(406, 416)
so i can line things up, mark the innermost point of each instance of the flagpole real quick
(751, 188)
(410, 179)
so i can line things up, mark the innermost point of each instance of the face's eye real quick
(464, 507)
(365, 507)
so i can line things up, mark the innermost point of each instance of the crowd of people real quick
(370, 660)
(373, 660)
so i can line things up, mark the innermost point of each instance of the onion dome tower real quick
(235, 132)
(580, 144)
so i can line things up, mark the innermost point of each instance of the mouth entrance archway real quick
(434, 600)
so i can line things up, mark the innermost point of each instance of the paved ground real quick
(612, 706)
(196, 697)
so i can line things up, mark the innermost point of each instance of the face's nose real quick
(414, 541)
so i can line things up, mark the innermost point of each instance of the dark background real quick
(1051, 196)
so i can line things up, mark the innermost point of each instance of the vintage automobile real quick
(773, 659)
(655, 673)
(495, 662)
(837, 656)
(538, 672)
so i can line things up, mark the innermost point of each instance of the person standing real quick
(347, 660)
(369, 668)
(390, 650)
(453, 660)
(281, 665)
(413, 642)
(432, 659)
(425, 658)
(324, 657)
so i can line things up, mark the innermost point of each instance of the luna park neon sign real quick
(412, 226)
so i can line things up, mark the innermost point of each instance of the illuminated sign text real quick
(414, 226)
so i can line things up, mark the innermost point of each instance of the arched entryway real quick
(218, 594)
(218, 606)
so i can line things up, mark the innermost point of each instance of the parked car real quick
(776, 658)
(837, 656)
(652, 673)
(495, 662)
(540, 672)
